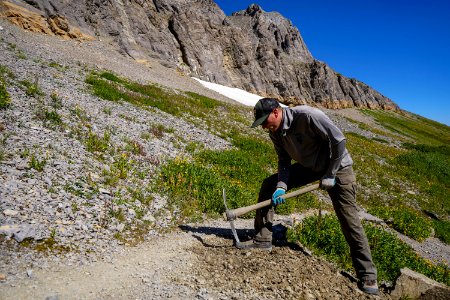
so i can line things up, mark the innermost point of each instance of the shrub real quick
(121, 166)
(32, 89)
(324, 236)
(53, 117)
(37, 164)
(95, 143)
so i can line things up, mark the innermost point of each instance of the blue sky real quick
(400, 48)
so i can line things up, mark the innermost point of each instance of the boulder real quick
(413, 285)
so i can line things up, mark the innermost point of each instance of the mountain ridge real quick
(260, 52)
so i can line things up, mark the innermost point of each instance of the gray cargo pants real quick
(343, 196)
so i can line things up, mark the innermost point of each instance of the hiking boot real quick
(368, 286)
(252, 244)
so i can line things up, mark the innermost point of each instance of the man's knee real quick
(268, 186)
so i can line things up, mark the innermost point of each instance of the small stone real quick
(120, 227)
(48, 181)
(23, 165)
(2, 277)
(104, 191)
(10, 212)
(29, 273)
(149, 217)
(94, 176)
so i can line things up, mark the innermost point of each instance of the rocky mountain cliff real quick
(261, 52)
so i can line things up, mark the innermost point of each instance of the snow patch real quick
(236, 94)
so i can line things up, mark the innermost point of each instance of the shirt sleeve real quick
(329, 132)
(284, 162)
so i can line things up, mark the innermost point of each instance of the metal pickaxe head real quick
(230, 216)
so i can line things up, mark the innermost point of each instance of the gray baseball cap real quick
(262, 110)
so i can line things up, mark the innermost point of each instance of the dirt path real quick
(143, 270)
(193, 262)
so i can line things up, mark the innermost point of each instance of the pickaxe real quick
(232, 214)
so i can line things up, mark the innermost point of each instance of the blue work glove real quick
(277, 196)
(327, 183)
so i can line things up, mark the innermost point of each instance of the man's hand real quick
(327, 183)
(277, 197)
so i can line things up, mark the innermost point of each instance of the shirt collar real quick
(286, 122)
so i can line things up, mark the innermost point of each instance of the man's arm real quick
(328, 131)
(284, 162)
(337, 154)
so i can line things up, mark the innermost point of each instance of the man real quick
(309, 137)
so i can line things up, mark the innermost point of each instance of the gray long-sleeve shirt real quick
(309, 137)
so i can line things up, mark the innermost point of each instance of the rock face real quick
(261, 52)
(43, 21)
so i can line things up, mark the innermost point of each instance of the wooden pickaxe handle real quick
(234, 213)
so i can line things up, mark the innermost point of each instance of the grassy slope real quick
(397, 183)
(405, 185)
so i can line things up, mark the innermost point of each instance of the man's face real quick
(273, 122)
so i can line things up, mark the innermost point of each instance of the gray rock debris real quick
(21, 232)
(68, 199)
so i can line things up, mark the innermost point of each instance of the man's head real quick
(267, 113)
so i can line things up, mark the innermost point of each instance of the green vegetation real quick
(196, 185)
(134, 147)
(57, 66)
(32, 89)
(159, 131)
(36, 163)
(80, 113)
(56, 100)
(96, 143)
(6, 72)
(419, 129)
(324, 236)
(5, 99)
(110, 87)
(442, 230)
(19, 53)
(48, 245)
(3, 139)
(53, 117)
(78, 189)
(405, 220)
(118, 170)
(429, 168)
(416, 176)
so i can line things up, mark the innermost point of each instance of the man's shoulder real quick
(305, 110)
